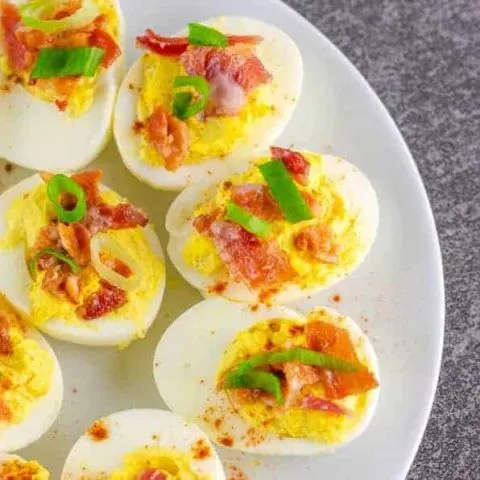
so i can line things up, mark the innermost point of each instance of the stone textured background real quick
(423, 59)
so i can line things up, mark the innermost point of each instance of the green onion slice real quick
(265, 381)
(300, 355)
(32, 264)
(33, 11)
(184, 105)
(285, 192)
(252, 223)
(199, 34)
(60, 184)
(64, 62)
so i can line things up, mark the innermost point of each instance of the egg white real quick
(185, 377)
(44, 411)
(282, 59)
(35, 134)
(101, 332)
(132, 430)
(352, 184)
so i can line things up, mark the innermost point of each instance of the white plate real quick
(396, 296)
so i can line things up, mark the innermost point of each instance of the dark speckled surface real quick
(423, 60)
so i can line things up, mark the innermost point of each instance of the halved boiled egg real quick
(144, 445)
(31, 385)
(60, 67)
(267, 379)
(86, 265)
(14, 467)
(291, 224)
(195, 104)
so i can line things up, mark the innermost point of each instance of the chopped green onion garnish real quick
(285, 192)
(252, 223)
(60, 184)
(33, 14)
(199, 34)
(265, 381)
(184, 105)
(300, 355)
(32, 264)
(64, 62)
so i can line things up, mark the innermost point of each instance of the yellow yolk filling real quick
(83, 94)
(23, 470)
(215, 137)
(28, 214)
(174, 465)
(25, 373)
(293, 422)
(201, 254)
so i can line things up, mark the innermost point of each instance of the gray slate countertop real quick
(423, 59)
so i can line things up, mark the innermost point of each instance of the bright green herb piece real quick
(201, 35)
(60, 184)
(285, 192)
(252, 223)
(32, 264)
(184, 106)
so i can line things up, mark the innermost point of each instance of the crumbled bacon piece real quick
(102, 302)
(256, 199)
(61, 283)
(104, 217)
(316, 403)
(313, 204)
(169, 136)
(318, 242)
(259, 264)
(5, 412)
(17, 53)
(75, 239)
(48, 236)
(90, 182)
(116, 265)
(296, 377)
(151, 474)
(203, 223)
(336, 341)
(102, 39)
(244, 68)
(294, 162)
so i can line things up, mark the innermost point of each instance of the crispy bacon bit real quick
(61, 105)
(257, 200)
(313, 204)
(75, 240)
(203, 223)
(318, 243)
(61, 283)
(315, 403)
(98, 431)
(47, 237)
(90, 182)
(17, 54)
(6, 346)
(296, 377)
(116, 265)
(258, 264)
(295, 163)
(151, 474)
(102, 39)
(104, 217)
(243, 67)
(102, 302)
(169, 136)
(328, 338)
(174, 46)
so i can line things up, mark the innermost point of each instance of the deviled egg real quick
(86, 265)
(211, 96)
(288, 226)
(269, 380)
(143, 445)
(60, 67)
(13, 467)
(31, 386)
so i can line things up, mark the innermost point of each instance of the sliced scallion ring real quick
(33, 11)
(184, 106)
(104, 243)
(60, 184)
(199, 34)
